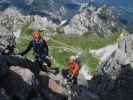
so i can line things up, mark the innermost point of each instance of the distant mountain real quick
(94, 19)
(124, 8)
(66, 9)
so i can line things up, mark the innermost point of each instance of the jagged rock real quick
(11, 20)
(109, 89)
(21, 80)
(7, 43)
(120, 57)
(112, 66)
(100, 20)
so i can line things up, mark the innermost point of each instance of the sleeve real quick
(28, 49)
(46, 46)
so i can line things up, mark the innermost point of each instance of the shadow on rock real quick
(119, 89)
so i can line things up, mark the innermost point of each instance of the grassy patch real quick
(60, 57)
(91, 41)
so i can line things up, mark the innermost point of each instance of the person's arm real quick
(28, 49)
(46, 45)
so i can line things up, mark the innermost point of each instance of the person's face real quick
(71, 60)
(36, 35)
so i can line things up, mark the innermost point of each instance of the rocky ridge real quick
(12, 20)
(92, 19)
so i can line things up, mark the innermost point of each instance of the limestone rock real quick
(100, 20)
(122, 56)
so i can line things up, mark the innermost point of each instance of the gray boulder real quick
(15, 86)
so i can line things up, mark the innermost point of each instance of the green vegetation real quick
(77, 44)
(62, 46)
(91, 41)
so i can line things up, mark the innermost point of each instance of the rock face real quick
(13, 20)
(110, 89)
(93, 19)
(105, 52)
(122, 56)
(115, 75)
(21, 79)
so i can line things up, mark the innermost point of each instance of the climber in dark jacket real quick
(40, 49)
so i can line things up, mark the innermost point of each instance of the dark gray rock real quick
(3, 95)
(110, 89)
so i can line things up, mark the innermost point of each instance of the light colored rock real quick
(12, 20)
(26, 74)
(43, 23)
(7, 42)
(121, 56)
(84, 76)
(93, 20)
(105, 52)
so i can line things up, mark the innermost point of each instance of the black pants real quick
(41, 61)
(75, 80)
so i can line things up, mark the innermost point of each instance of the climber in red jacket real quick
(74, 67)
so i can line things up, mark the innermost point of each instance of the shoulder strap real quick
(33, 43)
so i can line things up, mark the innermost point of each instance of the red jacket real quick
(74, 68)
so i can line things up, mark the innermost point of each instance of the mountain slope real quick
(94, 19)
